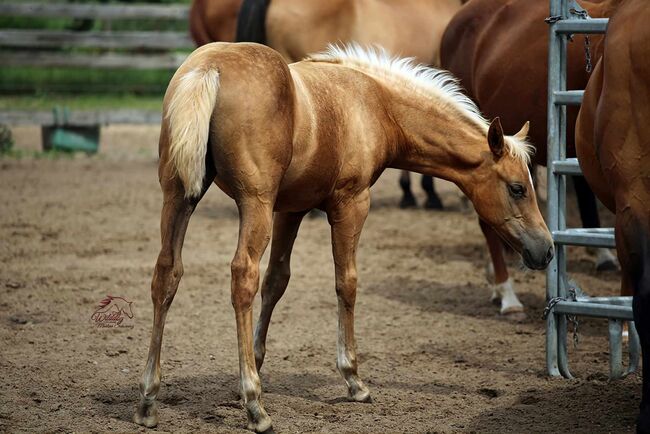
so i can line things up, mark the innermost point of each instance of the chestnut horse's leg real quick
(256, 218)
(433, 200)
(347, 219)
(502, 289)
(633, 247)
(175, 216)
(408, 200)
(588, 208)
(276, 279)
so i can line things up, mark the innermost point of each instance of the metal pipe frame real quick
(616, 309)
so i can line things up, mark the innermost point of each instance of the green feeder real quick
(63, 136)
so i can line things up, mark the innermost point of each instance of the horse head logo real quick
(111, 311)
(115, 304)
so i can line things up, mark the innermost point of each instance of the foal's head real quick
(504, 196)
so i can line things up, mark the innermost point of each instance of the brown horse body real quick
(499, 51)
(296, 28)
(613, 145)
(285, 139)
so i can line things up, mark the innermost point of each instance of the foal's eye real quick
(517, 191)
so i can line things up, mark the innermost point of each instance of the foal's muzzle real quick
(538, 255)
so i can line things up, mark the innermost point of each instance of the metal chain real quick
(573, 319)
(550, 305)
(552, 19)
(588, 66)
(582, 14)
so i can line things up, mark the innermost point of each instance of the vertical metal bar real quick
(553, 132)
(634, 348)
(554, 336)
(615, 348)
(563, 356)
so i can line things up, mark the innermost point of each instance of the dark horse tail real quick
(251, 21)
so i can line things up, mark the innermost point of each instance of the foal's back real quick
(343, 134)
(323, 126)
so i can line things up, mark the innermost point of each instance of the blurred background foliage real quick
(85, 88)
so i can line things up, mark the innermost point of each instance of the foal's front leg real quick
(276, 279)
(347, 219)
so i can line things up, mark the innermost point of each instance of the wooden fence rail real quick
(49, 59)
(104, 12)
(92, 49)
(95, 39)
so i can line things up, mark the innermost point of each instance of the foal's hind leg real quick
(255, 216)
(175, 216)
(347, 220)
(276, 279)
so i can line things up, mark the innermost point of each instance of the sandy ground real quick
(433, 350)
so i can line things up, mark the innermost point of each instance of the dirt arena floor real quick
(433, 350)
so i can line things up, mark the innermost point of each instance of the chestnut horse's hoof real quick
(515, 315)
(146, 415)
(608, 265)
(408, 201)
(606, 261)
(433, 203)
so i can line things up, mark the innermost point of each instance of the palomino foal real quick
(317, 134)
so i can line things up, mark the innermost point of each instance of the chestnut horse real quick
(296, 28)
(317, 134)
(499, 51)
(613, 145)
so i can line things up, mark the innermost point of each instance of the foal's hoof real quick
(361, 396)
(259, 428)
(269, 430)
(408, 201)
(433, 203)
(146, 416)
(258, 420)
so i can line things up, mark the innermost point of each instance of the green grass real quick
(82, 80)
(80, 102)
(19, 154)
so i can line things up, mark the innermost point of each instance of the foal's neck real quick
(438, 139)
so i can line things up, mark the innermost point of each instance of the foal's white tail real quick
(189, 112)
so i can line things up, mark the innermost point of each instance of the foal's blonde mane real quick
(436, 83)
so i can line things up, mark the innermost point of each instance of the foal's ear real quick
(495, 138)
(523, 132)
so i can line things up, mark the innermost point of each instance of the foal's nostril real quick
(549, 254)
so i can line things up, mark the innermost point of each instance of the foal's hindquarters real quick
(250, 149)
